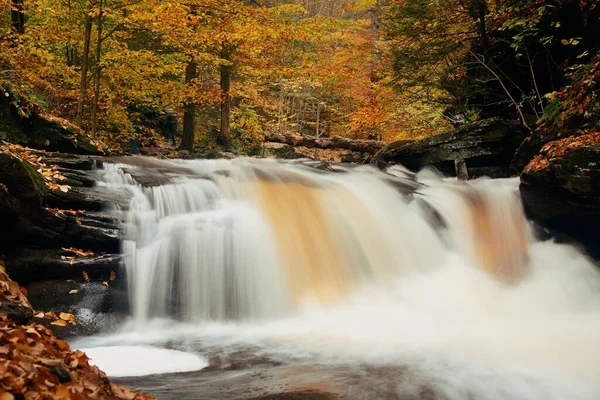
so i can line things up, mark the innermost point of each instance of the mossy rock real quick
(34, 130)
(21, 179)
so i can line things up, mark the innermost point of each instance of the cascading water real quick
(355, 265)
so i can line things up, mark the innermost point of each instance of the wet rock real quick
(98, 307)
(21, 179)
(489, 143)
(61, 372)
(560, 188)
(47, 264)
(16, 312)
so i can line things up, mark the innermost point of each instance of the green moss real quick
(36, 179)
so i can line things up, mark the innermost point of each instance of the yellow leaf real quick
(73, 291)
(66, 316)
(59, 322)
(105, 283)
(85, 276)
(113, 276)
(39, 315)
(72, 261)
(64, 188)
(47, 142)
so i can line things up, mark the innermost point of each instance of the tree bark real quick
(366, 146)
(97, 72)
(224, 138)
(189, 114)
(84, 68)
(17, 16)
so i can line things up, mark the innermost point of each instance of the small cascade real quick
(259, 239)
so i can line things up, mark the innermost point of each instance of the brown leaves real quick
(10, 292)
(50, 174)
(556, 150)
(36, 365)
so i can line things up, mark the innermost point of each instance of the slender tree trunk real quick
(189, 114)
(84, 68)
(318, 132)
(224, 137)
(97, 72)
(479, 11)
(17, 16)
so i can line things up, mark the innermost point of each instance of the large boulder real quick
(560, 188)
(489, 143)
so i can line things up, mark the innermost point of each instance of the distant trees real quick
(237, 69)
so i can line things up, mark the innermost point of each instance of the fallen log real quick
(336, 142)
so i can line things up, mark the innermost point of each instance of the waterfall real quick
(441, 284)
(259, 239)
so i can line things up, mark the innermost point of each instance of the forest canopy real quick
(236, 70)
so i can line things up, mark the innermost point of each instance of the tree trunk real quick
(97, 72)
(224, 137)
(84, 68)
(187, 142)
(478, 10)
(17, 16)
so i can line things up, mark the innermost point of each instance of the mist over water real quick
(357, 266)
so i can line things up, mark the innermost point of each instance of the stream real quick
(297, 280)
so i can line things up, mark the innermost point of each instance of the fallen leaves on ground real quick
(556, 149)
(34, 364)
(10, 291)
(50, 173)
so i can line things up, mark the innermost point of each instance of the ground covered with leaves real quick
(34, 364)
(556, 150)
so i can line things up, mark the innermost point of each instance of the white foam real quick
(120, 361)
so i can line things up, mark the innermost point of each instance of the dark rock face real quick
(97, 306)
(21, 122)
(560, 188)
(39, 229)
(17, 313)
(489, 143)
